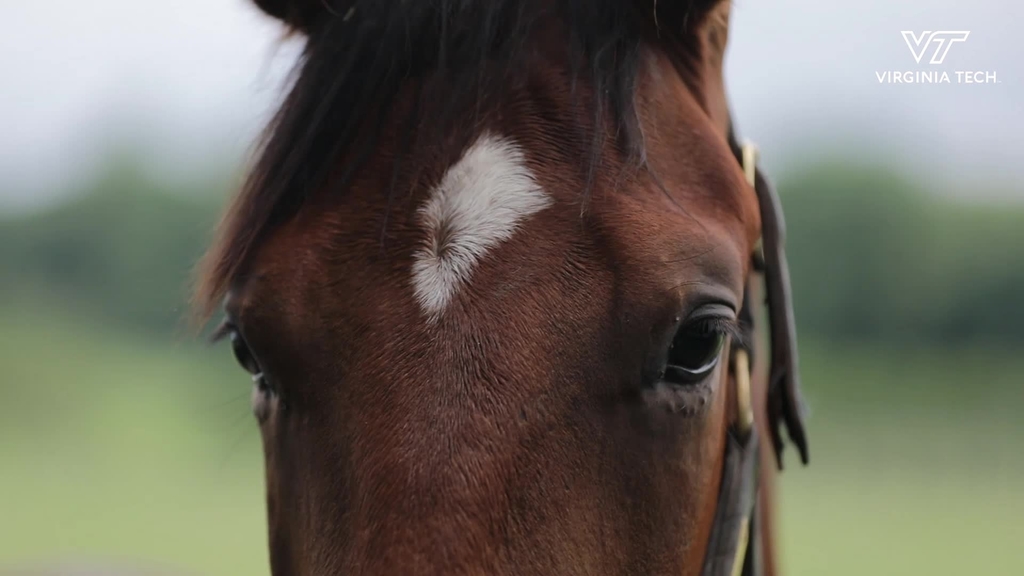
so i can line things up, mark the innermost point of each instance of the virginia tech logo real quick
(929, 49)
(943, 41)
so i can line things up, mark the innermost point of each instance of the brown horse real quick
(492, 277)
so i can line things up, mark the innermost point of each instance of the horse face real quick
(510, 367)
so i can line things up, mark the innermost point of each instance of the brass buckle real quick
(750, 154)
(741, 360)
(744, 406)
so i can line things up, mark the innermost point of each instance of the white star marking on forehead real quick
(478, 204)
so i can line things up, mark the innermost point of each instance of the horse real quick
(497, 275)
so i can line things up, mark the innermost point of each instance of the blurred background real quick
(125, 444)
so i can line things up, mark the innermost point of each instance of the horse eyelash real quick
(730, 327)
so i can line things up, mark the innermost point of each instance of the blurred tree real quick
(122, 250)
(876, 258)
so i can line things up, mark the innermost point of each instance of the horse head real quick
(489, 276)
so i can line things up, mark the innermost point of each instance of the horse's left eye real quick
(695, 351)
(242, 354)
(246, 359)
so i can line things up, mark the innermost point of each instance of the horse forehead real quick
(481, 201)
(690, 157)
(502, 188)
(424, 249)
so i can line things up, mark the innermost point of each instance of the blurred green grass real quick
(112, 443)
(916, 467)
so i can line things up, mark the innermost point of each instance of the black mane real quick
(360, 53)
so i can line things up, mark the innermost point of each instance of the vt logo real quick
(942, 39)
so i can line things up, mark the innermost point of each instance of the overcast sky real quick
(193, 80)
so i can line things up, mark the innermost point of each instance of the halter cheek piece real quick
(734, 545)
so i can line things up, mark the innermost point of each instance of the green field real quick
(127, 451)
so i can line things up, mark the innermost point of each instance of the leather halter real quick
(734, 545)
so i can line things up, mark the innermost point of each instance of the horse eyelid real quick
(222, 331)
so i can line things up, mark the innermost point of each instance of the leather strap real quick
(734, 535)
(734, 544)
(784, 397)
(785, 401)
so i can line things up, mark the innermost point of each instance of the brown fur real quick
(512, 436)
